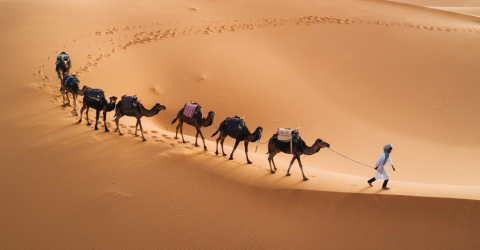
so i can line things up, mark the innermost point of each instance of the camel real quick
(89, 102)
(74, 89)
(62, 67)
(197, 122)
(275, 146)
(120, 111)
(239, 136)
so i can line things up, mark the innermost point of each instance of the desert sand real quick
(356, 74)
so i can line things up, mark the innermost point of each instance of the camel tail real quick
(216, 133)
(174, 120)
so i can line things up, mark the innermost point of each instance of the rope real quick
(168, 114)
(350, 158)
(214, 123)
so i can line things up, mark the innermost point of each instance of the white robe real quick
(381, 173)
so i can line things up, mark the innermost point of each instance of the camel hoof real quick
(224, 154)
(79, 121)
(216, 153)
(205, 149)
(136, 135)
(195, 145)
(96, 128)
(144, 139)
(120, 134)
(288, 174)
(249, 162)
(230, 158)
(106, 130)
(305, 179)
(273, 172)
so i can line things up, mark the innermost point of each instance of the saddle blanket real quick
(234, 124)
(68, 80)
(96, 94)
(284, 134)
(190, 108)
(128, 100)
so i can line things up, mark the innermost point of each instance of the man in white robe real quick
(381, 172)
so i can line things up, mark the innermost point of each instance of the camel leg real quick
(270, 161)
(96, 119)
(221, 143)
(63, 94)
(117, 120)
(81, 112)
(218, 140)
(136, 126)
(203, 139)
(105, 120)
(234, 147)
(86, 114)
(246, 151)
(181, 132)
(291, 163)
(141, 129)
(68, 98)
(301, 167)
(196, 138)
(75, 104)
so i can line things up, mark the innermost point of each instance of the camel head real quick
(84, 90)
(322, 144)
(259, 130)
(113, 99)
(211, 114)
(111, 105)
(158, 107)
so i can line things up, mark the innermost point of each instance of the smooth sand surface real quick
(357, 74)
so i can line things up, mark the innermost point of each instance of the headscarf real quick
(387, 155)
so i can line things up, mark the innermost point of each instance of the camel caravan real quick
(286, 140)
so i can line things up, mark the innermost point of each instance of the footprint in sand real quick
(155, 132)
(154, 137)
(171, 145)
(131, 126)
(159, 140)
(145, 132)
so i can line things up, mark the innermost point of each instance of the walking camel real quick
(98, 105)
(138, 113)
(70, 85)
(275, 146)
(197, 121)
(239, 136)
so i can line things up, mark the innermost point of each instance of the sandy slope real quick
(358, 74)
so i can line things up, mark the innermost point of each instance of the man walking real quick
(381, 172)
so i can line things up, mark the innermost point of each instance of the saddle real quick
(288, 135)
(96, 94)
(192, 109)
(129, 101)
(235, 124)
(69, 80)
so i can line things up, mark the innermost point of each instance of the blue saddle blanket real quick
(235, 124)
(96, 94)
(68, 80)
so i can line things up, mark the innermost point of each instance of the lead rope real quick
(351, 159)
(258, 142)
(168, 114)
(214, 123)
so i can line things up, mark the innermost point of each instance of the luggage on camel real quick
(68, 80)
(235, 124)
(192, 109)
(63, 57)
(96, 94)
(129, 101)
(288, 135)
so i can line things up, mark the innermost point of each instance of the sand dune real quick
(357, 74)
